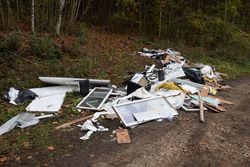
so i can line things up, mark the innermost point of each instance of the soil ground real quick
(222, 141)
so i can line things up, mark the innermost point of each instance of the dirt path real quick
(224, 140)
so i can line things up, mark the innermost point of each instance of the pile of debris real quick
(152, 94)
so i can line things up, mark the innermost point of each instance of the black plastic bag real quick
(193, 75)
(17, 95)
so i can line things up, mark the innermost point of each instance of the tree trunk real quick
(17, 8)
(160, 19)
(88, 6)
(58, 26)
(140, 18)
(73, 11)
(77, 11)
(2, 14)
(33, 17)
(225, 11)
(9, 21)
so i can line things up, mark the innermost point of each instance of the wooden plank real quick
(204, 91)
(211, 108)
(111, 116)
(176, 59)
(74, 122)
(221, 108)
(122, 136)
(201, 107)
(221, 100)
(225, 101)
(226, 87)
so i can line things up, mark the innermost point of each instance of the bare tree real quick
(33, 17)
(2, 13)
(160, 18)
(9, 21)
(59, 22)
(17, 8)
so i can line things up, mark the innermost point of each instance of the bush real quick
(82, 34)
(74, 50)
(121, 24)
(44, 48)
(79, 30)
(219, 38)
(11, 43)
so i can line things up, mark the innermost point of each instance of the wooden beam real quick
(74, 122)
(201, 107)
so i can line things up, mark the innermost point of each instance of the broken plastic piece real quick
(88, 125)
(87, 135)
(22, 120)
(97, 115)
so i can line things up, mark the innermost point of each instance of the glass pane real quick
(95, 98)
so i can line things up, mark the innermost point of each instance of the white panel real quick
(53, 90)
(46, 104)
(126, 110)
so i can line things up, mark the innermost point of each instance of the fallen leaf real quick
(50, 148)
(3, 159)
(26, 144)
(18, 158)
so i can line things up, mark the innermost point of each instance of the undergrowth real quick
(44, 48)
(10, 43)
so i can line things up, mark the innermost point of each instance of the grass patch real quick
(222, 63)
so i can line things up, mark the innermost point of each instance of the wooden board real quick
(111, 116)
(122, 136)
(74, 122)
(223, 101)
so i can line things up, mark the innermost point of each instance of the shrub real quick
(74, 50)
(80, 31)
(44, 48)
(219, 38)
(11, 43)
(82, 34)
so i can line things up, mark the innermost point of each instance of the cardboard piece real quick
(204, 91)
(111, 116)
(122, 136)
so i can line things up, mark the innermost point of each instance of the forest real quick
(167, 18)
